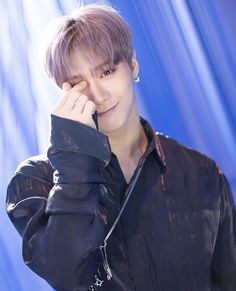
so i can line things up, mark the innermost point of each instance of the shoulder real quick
(189, 170)
(36, 167)
(190, 176)
(177, 153)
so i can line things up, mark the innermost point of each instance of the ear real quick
(135, 65)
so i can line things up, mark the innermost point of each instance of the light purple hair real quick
(95, 30)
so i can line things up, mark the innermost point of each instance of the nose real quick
(96, 92)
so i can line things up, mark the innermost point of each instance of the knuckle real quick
(80, 85)
(73, 95)
(90, 103)
(83, 97)
(70, 94)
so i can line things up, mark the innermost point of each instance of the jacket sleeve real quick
(224, 256)
(61, 223)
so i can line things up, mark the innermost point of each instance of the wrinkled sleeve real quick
(61, 222)
(224, 256)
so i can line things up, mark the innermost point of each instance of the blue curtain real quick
(186, 51)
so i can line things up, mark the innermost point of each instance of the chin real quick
(111, 126)
(118, 120)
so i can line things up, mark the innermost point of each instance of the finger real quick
(80, 103)
(67, 102)
(89, 108)
(70, 95)
(66, 86)
(71, 99)
(79, 87)
(61, 102)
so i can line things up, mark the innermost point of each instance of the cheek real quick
(123, 89)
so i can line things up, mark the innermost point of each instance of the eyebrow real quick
(94, 69)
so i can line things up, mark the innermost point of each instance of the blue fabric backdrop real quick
(186, 51)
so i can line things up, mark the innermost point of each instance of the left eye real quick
(107, 73)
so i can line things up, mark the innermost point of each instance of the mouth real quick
(107, 112)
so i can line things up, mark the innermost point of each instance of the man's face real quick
(109, 86)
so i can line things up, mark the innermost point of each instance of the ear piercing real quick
(136, 79)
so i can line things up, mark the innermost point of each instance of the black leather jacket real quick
(177, 225)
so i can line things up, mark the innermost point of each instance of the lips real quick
(107, 112)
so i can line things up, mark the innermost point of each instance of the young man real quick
(119, 207)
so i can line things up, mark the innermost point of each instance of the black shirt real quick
(177, 231)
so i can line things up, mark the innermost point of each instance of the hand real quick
(75, 105)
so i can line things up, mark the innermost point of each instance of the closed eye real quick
(75, 82)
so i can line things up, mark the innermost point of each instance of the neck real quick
(130, 141)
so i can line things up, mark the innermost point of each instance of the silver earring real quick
(136, 79)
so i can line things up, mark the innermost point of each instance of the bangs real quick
(65, 62)
(96, 34)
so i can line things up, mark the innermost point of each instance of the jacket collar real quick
(154, 143)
